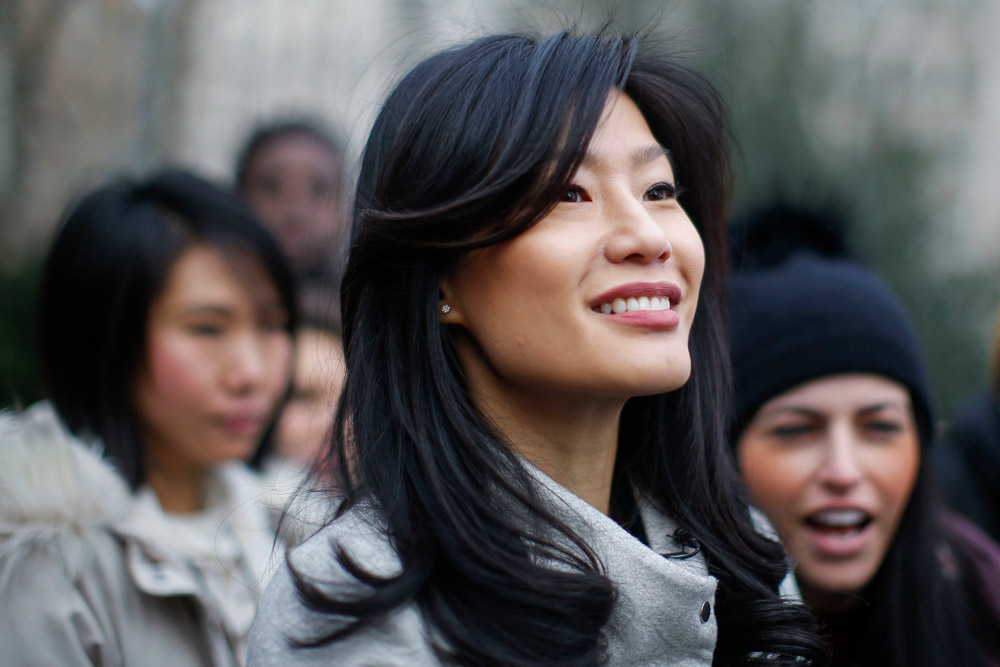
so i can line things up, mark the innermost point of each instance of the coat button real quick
(706, 612)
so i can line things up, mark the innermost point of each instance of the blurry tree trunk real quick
(27, 34)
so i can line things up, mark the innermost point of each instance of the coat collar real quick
(665, 606)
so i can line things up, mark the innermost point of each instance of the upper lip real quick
(838, 506)
(667, 289)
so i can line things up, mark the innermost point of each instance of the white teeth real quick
(839, 518)
(633, 304)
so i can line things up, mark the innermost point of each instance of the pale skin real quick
(217, 362)
(544, 364)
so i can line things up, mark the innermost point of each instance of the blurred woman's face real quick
(293, 182)
(598, 298)
(832, 463)
(307, 419)
(217, 361)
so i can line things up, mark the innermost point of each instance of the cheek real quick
(278, 351)
(895, 472)
(178, 373)
(774, 479)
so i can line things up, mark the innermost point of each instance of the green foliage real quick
(20, 380)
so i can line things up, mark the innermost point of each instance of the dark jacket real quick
(967, 464)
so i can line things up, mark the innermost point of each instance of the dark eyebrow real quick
(640, 157)
(202, 309)
(801, 412)
(651, 153)
(881, 406)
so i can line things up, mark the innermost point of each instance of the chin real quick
(845, 579)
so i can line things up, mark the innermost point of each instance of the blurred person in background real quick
(968, 460)
(306, 421)
(530, 444)
(132, 530)
(293, 172)
(832, 424)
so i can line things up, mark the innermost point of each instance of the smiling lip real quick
(635, 290)
(647, 319)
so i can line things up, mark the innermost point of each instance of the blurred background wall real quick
(888, 110)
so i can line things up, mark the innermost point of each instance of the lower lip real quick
(646, 319)
(839, 546)
(241, 426)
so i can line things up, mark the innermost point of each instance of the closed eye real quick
(884, 427)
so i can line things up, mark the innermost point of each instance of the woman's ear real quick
(447, 311)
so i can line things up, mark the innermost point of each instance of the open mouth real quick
(841, 523)
(633, 304)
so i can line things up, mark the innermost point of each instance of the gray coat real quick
(82, 579)
(664, 613)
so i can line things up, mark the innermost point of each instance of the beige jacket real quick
(84, 579)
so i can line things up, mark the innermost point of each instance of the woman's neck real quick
(178, 491)
(573, 442)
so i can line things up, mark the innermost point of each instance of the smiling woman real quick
(164, 331)
(530, 445)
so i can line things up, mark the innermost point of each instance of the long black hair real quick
(105, 268)
(923, 606)
(469, 150)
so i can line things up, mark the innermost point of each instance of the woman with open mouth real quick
(530, 436)
(831, 424)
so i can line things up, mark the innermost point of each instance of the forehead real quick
(295, 148)
(202, 274)
(842, 392)
(623, 139)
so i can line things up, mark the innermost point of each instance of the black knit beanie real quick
(801, 309)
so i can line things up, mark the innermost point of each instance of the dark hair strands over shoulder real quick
(467, 152)
(105, 268)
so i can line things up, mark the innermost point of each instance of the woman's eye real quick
(884, 427)
(320, 189)
(573, 194)
(661, 192)
(789, 431)
(206, 330)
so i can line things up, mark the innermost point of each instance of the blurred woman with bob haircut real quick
(530, 439)
(131, 529)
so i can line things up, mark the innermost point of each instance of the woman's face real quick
(217, 361)
(598, 298)
(306, 420)
(832, 463)
(293, 182)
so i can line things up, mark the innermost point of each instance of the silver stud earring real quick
(445, 309)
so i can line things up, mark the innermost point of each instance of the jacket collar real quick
(665, 605)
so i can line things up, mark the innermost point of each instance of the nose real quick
(840, 470)
(246, 366)
(636, 235)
